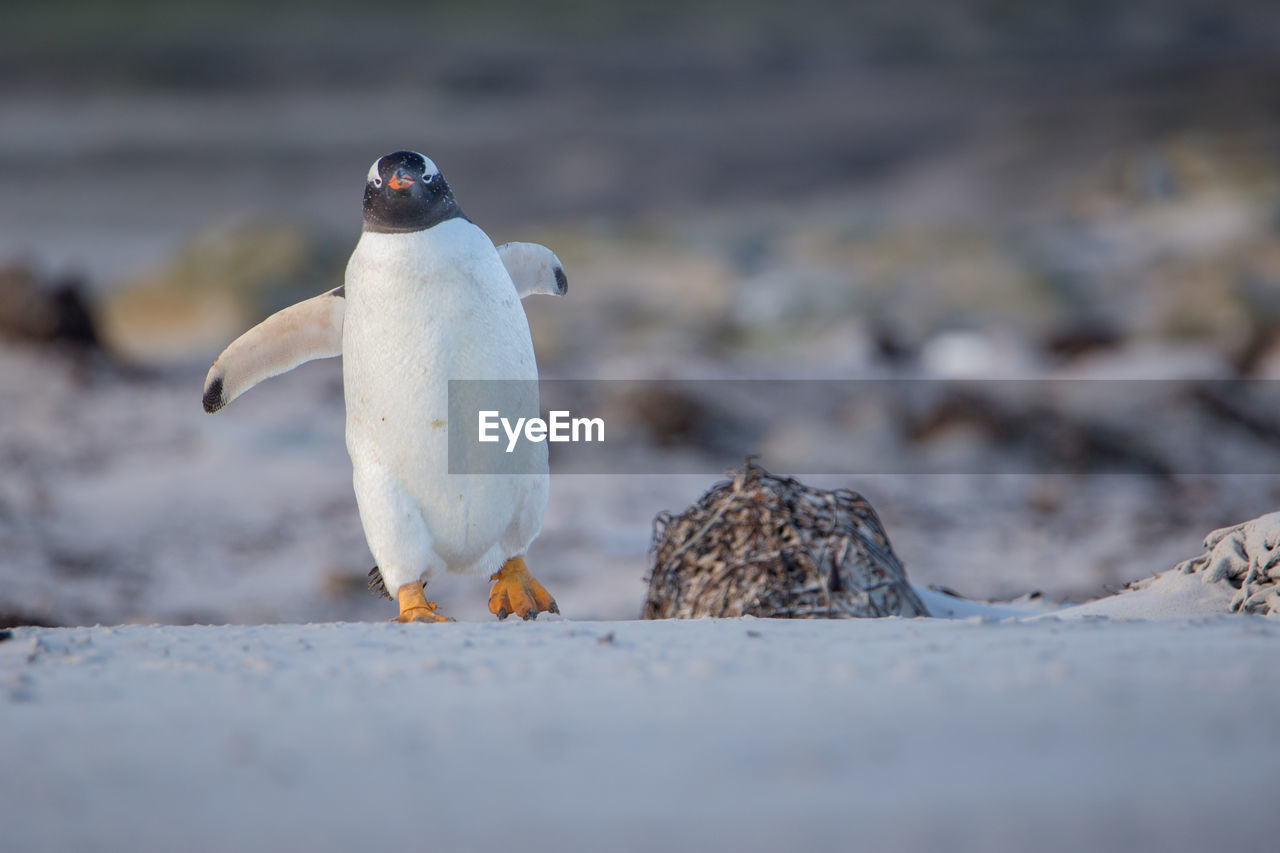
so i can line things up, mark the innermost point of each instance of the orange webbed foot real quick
(516, 591)
(414, 606)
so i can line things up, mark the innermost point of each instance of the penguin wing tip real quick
(562, 281)
(213, 395)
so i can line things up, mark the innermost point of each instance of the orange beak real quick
(400, 180)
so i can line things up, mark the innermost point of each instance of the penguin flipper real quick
(533, 269)
(300, 333)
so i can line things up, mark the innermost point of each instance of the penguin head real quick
(405, 192)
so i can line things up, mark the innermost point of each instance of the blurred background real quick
(809, 190)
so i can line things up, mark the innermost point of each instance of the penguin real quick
(427, 298)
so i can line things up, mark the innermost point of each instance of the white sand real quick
(710, 735)
(1169, 595)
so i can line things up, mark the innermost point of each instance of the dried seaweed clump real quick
(1246, 556)
(761, 545)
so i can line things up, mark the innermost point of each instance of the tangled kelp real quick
(767, 546)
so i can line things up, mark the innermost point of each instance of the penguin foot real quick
(414, 606)
(516, 591)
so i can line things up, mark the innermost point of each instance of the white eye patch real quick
(373, 176)
(429, 169)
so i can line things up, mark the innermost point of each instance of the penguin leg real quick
(516, 591)
(414, 606)
(398, 539)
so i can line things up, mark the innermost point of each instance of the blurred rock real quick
(1074, 339)
(36, 310)
(1265, 363)
(667, 415)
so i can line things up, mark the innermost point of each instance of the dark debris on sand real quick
(768, 546)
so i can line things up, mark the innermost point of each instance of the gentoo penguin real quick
(427, 298)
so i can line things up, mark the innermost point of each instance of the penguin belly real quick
(423, 308)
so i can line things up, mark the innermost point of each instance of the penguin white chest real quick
(423, 308)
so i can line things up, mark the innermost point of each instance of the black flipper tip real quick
(562, 282)
(213, 395)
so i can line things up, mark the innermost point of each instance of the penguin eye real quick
(377, 182)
